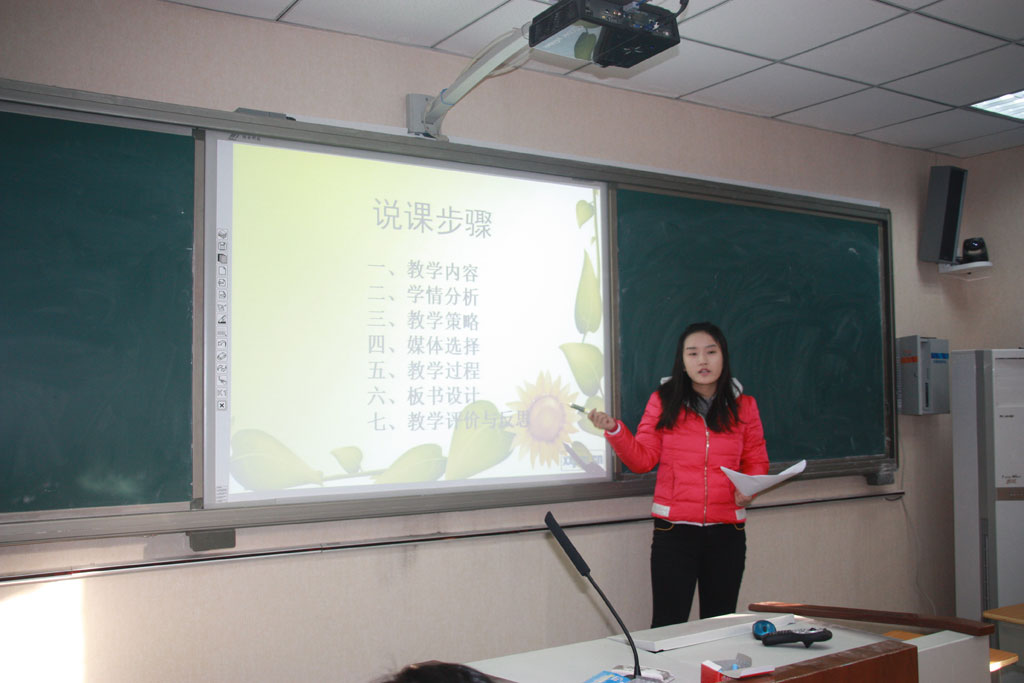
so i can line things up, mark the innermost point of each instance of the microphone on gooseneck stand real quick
(584, 570)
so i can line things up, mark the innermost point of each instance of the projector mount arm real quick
(424, 114)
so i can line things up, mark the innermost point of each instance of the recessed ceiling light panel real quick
(1011, 105)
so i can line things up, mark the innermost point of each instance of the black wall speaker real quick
(940, 232)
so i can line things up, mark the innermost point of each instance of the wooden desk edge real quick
(967, 626)
(1011, 614)
(891, 660)
(997, 659)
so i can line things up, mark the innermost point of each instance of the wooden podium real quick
(893, 661)
(956, 652)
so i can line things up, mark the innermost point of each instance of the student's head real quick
(701, 369)
(439, 672)
(702, 357)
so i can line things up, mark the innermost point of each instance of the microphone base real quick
(647, 675)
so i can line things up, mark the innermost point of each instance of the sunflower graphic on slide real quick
(546, 418)
(547, 421)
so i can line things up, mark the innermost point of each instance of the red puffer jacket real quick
(691, 486)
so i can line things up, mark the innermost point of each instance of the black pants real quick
(684, 556)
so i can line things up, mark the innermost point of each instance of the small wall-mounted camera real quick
(974, 250)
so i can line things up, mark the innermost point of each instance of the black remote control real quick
(807, 636)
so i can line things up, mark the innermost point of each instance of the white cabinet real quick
(987, 405)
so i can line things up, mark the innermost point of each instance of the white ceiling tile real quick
(944, 128)
(671, 5)
(694, 7)
(261, 9)
(863, 111)
(782, 27)
(897, 48)
(985, 144)
(679, 70)
(773, 90)
(1003, 18)
(910, 4)
(970, 80)
(923, 53)
(511, 16)
(413, 22)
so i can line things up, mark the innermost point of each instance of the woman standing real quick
(694, 424)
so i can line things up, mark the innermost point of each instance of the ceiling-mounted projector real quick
(606, 32)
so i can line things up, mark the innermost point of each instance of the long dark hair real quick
(439, 672)
(678, 397)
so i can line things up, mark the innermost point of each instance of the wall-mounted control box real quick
(922, 379)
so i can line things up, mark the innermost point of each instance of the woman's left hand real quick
(741, 500)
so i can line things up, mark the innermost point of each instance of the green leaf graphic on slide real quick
(259, 462)
(587, 364)
(588, 299)
(349, 457)
(594, 402)
(584, 47)
(420, 463)
(581, 451)
(479, 442)
(584, 212)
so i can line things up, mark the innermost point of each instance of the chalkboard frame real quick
(190, 517)
(877, 467)
(99, 325)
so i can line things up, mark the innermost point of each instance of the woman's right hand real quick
(602, 420)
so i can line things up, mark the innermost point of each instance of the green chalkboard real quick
(801, 297)
(96, 225)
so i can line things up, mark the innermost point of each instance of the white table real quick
(942, 656)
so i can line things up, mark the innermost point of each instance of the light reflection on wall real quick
(41, 633)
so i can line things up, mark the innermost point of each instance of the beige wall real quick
(356, 614)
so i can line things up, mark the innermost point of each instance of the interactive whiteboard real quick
(378, 325)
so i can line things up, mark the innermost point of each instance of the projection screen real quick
(380, 326)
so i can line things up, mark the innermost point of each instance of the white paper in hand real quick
(752, 484)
